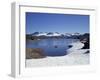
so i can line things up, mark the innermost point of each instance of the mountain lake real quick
(51, 47)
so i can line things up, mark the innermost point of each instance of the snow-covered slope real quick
(42, 34)
(39, 34)
(75, 56)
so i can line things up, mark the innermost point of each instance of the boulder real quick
(34, 53)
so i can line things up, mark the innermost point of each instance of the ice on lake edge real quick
(75, 56)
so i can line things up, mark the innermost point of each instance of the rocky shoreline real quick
(34, 53)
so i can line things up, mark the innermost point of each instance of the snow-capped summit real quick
(35, 34)
(76, 34)
(53, 34)
(68, 34)
(42, 34)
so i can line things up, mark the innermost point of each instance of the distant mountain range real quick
(43, 35)
(51, 34)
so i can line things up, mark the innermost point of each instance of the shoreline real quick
(75, 56)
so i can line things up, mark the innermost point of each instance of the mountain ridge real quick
(50, 34)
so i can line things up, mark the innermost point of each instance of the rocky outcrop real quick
(86, 43)
(34, 53)
(85, 39)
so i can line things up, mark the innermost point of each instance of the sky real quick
(51, 22)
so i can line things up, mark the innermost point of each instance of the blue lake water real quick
(51, 47)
